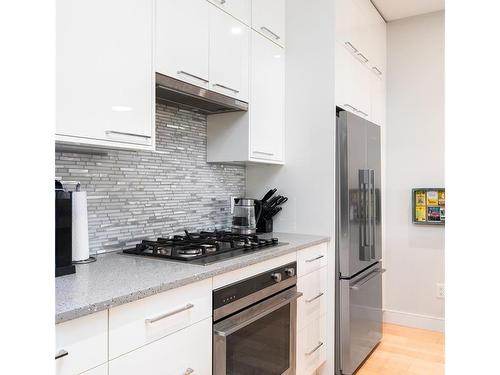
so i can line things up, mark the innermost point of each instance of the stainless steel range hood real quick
(178, 92)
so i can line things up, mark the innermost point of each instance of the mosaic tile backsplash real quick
(135, 195)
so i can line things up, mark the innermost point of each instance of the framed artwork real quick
(428, 206)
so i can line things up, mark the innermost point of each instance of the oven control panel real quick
(230, 293)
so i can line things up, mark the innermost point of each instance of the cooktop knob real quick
(290, 271)
(276, 277)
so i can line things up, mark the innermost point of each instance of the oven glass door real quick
(259, 340)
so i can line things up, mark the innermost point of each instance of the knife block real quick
(264, 225)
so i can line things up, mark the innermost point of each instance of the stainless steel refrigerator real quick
(358, 325)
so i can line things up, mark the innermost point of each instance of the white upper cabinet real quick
(229, 55)
(105, 72)
(268, 18)
(182, 40)
(267, 100)
(240, 9)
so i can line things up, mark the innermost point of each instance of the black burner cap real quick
(274, 240)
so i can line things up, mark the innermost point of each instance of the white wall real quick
(414, 255)
(307, 178)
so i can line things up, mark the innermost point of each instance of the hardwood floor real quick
(406, 351)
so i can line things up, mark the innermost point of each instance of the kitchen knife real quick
(273, 200)
(281, 201)
(268, 195)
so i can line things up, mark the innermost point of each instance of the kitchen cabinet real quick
(82, 344)
(99, 370)
(182, 40)
(360, 59)
(239, 9)
(188, 351)
(258, 135)
(139, 323)
(228, 58)
(104, 74)
(268, 18)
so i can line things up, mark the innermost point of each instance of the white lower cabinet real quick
(312, 305)
(185, 352)
(311, 347)
(82, 344)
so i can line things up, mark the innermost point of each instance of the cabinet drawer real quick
(138, 323)
(85, 342)
(312, 305)
(240, 9)
(311, 259)
(311, 351)
(184, 352)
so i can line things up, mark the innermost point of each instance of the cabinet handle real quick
(276, 36)
(189, 370)
(166, 315)
(313, 259)
(111, 132)
(314, 298)
(222, 2)
(192, 75)
(363, 113)
(365, 60)
(350, 106)
(351, 47)
(320, 344)
(376, 70)
(263, 153)
(61, 353)
(226, 87)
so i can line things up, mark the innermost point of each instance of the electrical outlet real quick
(440, 291)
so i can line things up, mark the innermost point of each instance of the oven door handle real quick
(254, 313)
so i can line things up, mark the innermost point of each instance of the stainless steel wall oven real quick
(254, 328)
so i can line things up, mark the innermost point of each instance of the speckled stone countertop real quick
(117, 278)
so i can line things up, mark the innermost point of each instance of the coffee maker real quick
(246, 215)
(63, 215)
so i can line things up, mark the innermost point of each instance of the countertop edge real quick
(140, 294)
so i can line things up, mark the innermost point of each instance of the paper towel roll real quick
(80, 226)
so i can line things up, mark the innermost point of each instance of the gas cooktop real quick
(202, 247)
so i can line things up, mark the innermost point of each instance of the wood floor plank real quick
(406, 351)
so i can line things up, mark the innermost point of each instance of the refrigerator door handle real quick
(367, 278)
(373, 215)
(365, 226)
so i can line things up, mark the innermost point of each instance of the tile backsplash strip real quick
(135, 195)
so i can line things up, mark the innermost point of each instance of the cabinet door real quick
(104, 70)
(378, 100)
(184, 352)
(240, 9)
(99, 370)
(268, 18)
(182, 40)
(267, 99)
(229, 49)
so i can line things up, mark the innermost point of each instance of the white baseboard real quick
(432, 323)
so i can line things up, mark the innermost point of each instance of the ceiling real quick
(395, 9)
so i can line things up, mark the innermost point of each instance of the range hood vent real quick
(209, 102)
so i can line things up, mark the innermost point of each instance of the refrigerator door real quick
(355, 229)
(360, 317)
(373, 163)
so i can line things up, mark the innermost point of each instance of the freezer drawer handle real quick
(367, 278)
(166, 315)
(313, 259)
(314, 298)
(320, 344)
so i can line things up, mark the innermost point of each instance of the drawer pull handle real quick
(351, 47)
(313, 259)
(225, 87)
(188, 371)
(111, 132)
(376, 70)
(320, 344)
(192, 75)
(263, 153)
(363, 58)
(166, 315)
(314, 298)
(363, 113)
(61, 353)
(274, 35)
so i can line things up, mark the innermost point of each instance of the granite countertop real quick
(117, 278)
